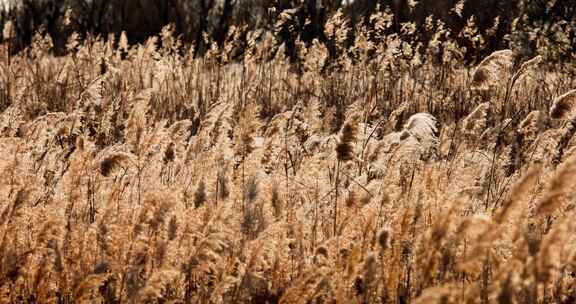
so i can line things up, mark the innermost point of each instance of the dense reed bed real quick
(145, 174)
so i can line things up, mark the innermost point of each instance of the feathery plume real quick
(93, 93)
(369, 270)
(169, 154)
(525, 67)
(458, 8)
(423, 127)
(564, 106)
(8, 30)
(123, 42)
(477, 120)
(384, 237)
(560, 184)
(200, 195)
(345, 147)
(532, 124)
(519, 191)
(112, 161)
(493, 69)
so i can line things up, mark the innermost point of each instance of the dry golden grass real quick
(144, 175)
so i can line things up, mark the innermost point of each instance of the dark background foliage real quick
(525, 24)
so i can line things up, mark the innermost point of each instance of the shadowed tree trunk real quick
(174, 12)
(224, 22)
(205, 7)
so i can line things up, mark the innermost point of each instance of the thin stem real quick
(336, 197)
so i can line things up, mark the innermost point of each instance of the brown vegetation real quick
(142, 174)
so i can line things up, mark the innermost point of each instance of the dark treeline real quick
(522, 23)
